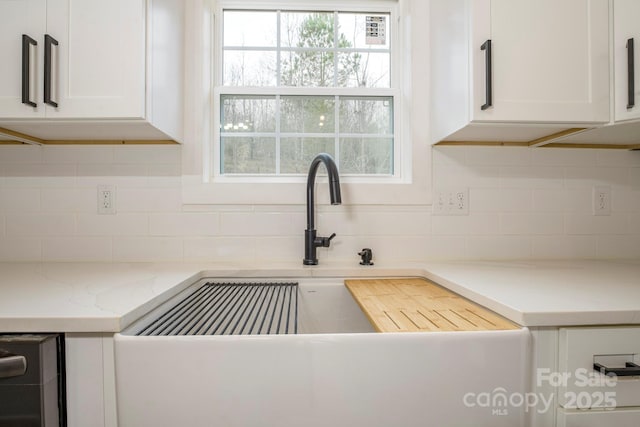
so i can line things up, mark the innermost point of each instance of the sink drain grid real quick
(232, 308)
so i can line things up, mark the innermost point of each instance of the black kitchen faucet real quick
(311, 241)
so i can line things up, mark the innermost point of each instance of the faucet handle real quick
(326, 241)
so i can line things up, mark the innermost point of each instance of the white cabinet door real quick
(18, 17)
(627, 418)
(548, 71)
(585, 387)
(626, 15)
(550, 60)
(98, 69)
(90, 378)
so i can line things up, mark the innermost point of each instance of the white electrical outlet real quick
(601, 200)
(454, 201)
(106, 199)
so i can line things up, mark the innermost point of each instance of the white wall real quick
(524, 203)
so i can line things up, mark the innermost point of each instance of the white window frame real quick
(384, 7)
(411, 183)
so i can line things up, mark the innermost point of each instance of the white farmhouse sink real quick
(334, 372)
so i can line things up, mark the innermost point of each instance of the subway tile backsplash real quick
(524, 203)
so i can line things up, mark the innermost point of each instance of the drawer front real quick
(599, 418)
(580, 385)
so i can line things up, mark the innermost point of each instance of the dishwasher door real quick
(31, 380)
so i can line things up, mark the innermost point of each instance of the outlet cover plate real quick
(601, 200)
(451, 201)
(106, 199)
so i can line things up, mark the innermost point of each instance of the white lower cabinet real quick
(617, 418)
(571, 376)
(90, 378)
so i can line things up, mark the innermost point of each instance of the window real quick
(375, 126)
(292, 83)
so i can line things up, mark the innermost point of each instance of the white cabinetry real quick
(101, 58)
(626, 52)
(547, 67)
(110, 60)
(564, 373)
(17, 17)
(90, 378)
(624, 127)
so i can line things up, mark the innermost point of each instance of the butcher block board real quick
(418, 305)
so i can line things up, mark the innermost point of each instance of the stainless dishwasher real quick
(32, 385)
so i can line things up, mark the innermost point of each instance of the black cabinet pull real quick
(27, 42)
(630, 370)
(12, 365)
(48, 42)
(486, 46)
(631, 80)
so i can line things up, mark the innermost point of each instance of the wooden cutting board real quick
(418, 305)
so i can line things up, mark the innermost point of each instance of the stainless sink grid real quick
(232, 308)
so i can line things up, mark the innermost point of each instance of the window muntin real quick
(303, 82)
(280, 134)
(311, 49)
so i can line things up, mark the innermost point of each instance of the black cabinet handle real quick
(48, 42)
(27, 42)
(486, 46)
(631, 85)
(12, 365)
(630, 370)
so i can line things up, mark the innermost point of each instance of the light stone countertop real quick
(107, 297)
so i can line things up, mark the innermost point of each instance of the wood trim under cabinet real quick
(543, 142)
(107, 141)
(22, 138)
(545, 139)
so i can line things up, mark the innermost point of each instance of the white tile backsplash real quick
(43, 224)
(69, 199)
(618, 247)
(22, 249)
(590, 176)
(220, 249)
(148, 199)
(530, 177)
(545, 247)
(184, 224)
(499, 247)
(563, 157)
(83, 249)
(122, 224)
(523, 203)
(531, 224)
(19, 200)
(613, 224)
(152, 249)
(465, 225)
(12, 154)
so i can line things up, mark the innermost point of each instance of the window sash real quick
(378, 7)
(216, 155)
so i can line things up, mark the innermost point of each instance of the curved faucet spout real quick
(334, 185)
(311, 241)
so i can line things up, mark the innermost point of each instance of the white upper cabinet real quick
(92, 61)
(626, 51)
(540, 64)
(100, 70)
(18, 18)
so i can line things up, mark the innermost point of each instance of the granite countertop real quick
(107, 297)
